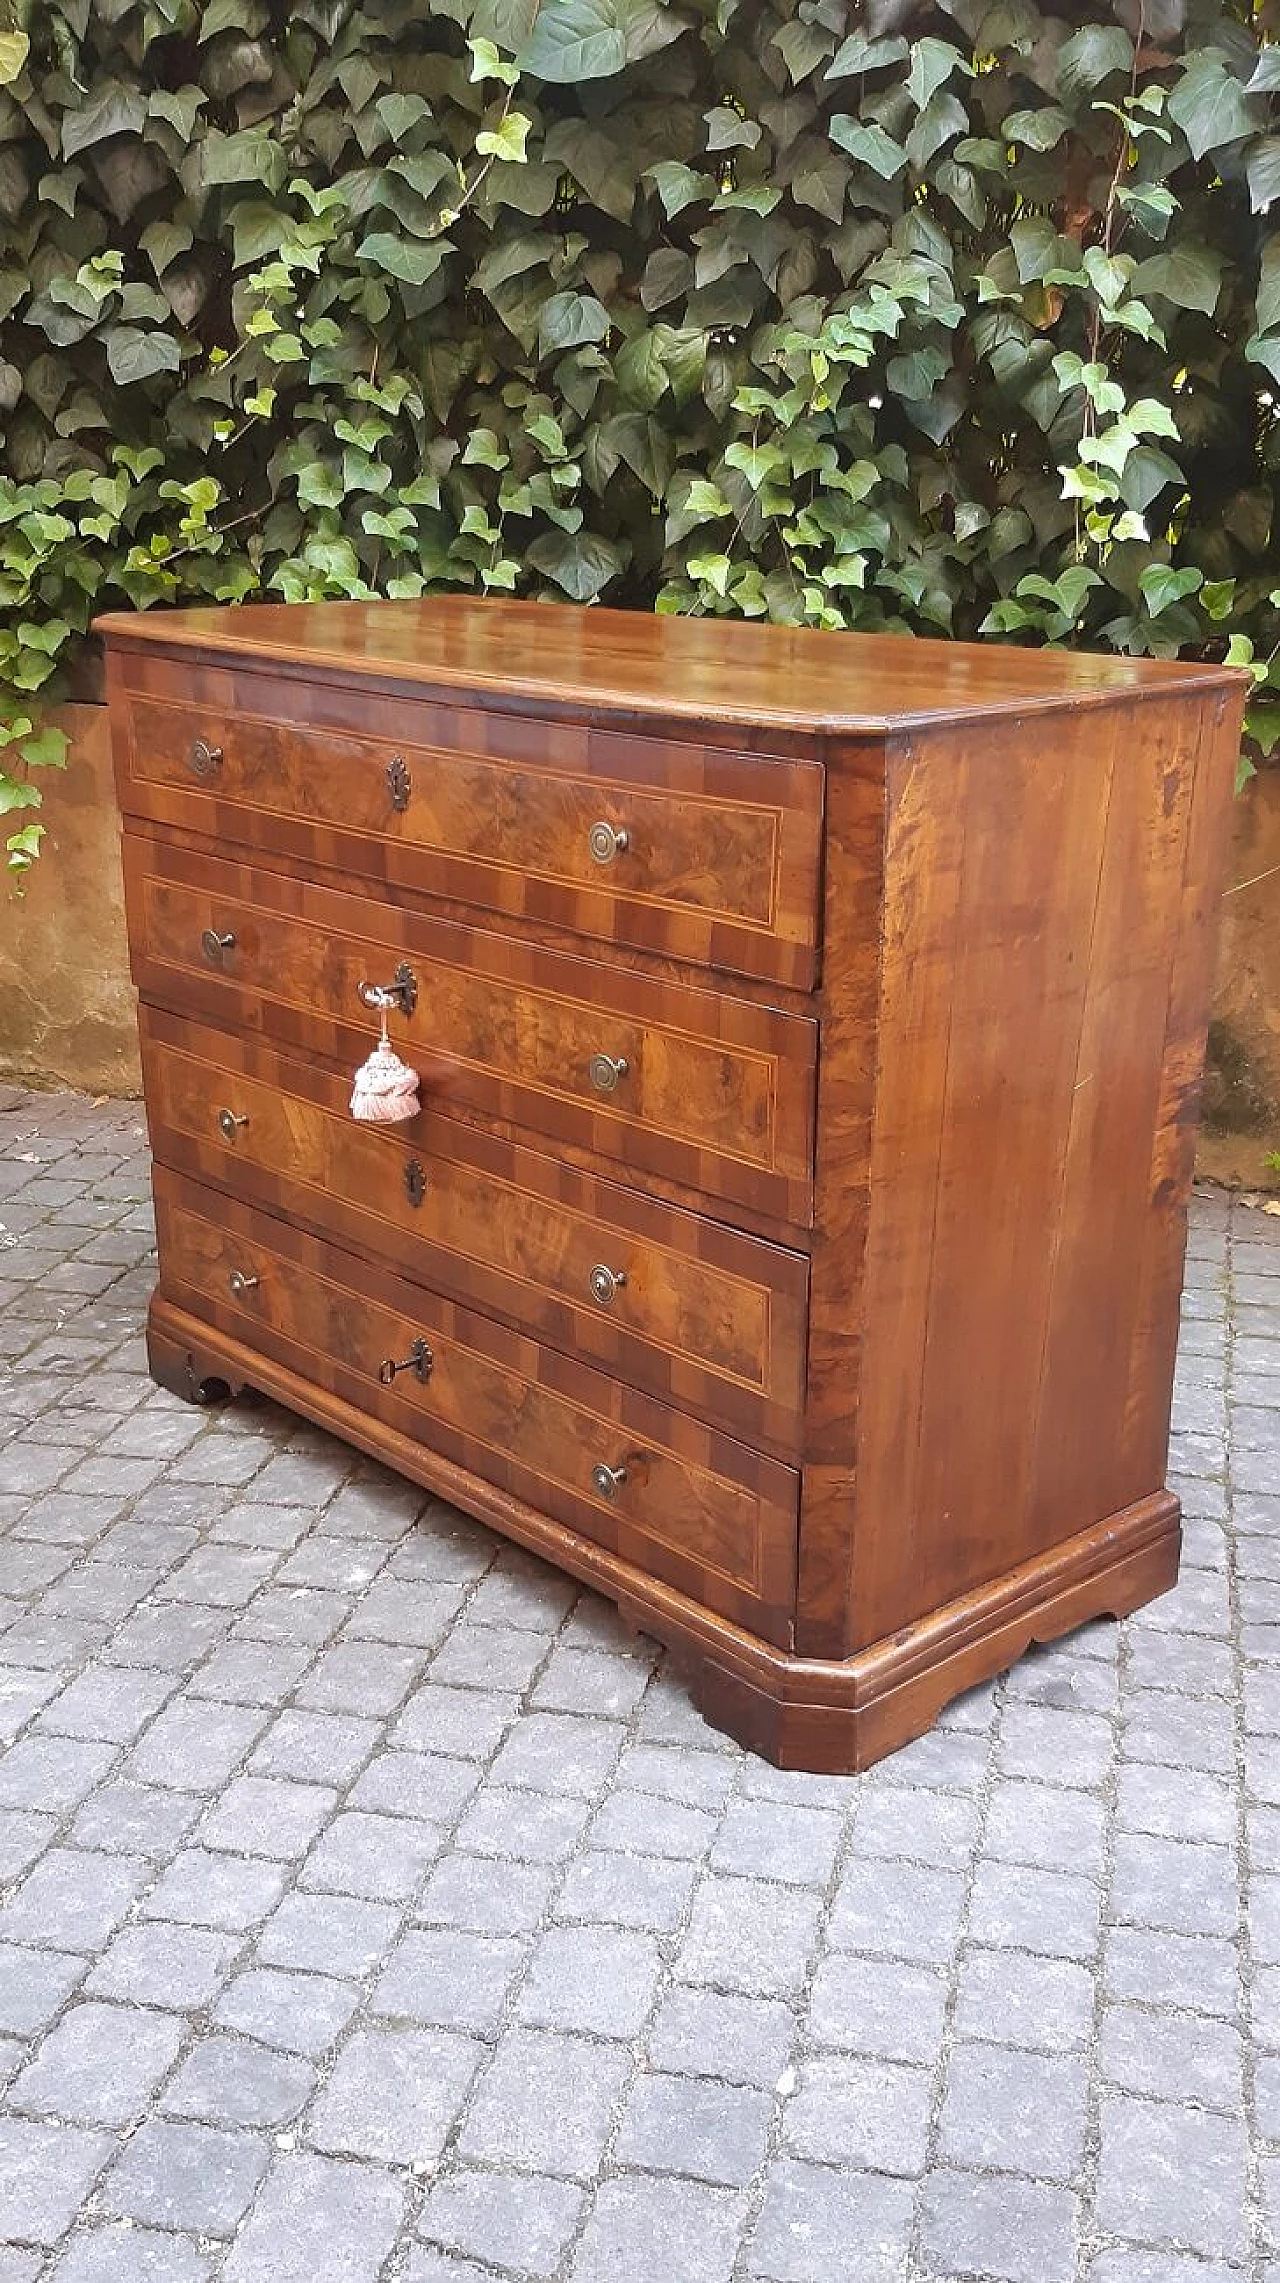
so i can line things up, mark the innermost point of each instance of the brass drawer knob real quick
(419, 1361)
(229, 1124)
(204, 760)
(607, 1481)
(240, 1283)
(604, 1071)
(606, 1283)
(214, 945)
(607, 841)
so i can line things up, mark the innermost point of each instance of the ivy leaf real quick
(581, 562)
(1162, 585)
(678, 185)
(15, 47)
(933, 63)
(1188, 274)
(1040, 130)
(1210, 105)
(1266, 73)
(869, 145)
(133, 355)
(115, 109)
(1264, 173)
(413, 262)
(1095, 53)
(573, 40)
(506, 141)
(860, 52)
(1267, 306)
(569, 319)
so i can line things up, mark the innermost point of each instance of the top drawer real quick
(704, 855)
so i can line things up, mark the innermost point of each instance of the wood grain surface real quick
(721, 861)
(708, 1318)
(715, 1518)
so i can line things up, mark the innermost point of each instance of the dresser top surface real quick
(563, 656)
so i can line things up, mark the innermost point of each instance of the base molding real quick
(828, 1716)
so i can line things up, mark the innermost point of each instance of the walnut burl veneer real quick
(810, 1027)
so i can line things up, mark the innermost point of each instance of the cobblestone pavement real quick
(372, 1908)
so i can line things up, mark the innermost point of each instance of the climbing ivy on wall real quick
(954, 316)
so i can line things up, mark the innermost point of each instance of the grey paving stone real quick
(462, 1722)
(448, 1977)
(119, 2252)
(299, 2013)
(424, 1785)
(1011, 2111)
(23, 1691)
(383, 1857)
(230, 1893)
(522, 2224)
(292, 1615)
(328, 1934)
(394, 2095)
(1264, 1919)
(229, 2081)
(1175, 1803)
(1077, 1746)
(745, 2041)
(46, 2170)
(1170, 1884)
(99, 2065)
(1060, 1830)
(72, 1899)
(696, 1779)
(107, 1704)
(366, 1677)
(491, 1657)
(1016, 1906)
(913, 1826)
(597, 1979)
(33, 1985)
(52, 1773)
(186, 2176)
(521, 1590)
(823, 2226)
(194, 1747)
(554, 1752)
(316, 2217)
(315, 1747)
(171, 1637)
(1173, 2059)
(1179, 1732)
(878, 2007)
(641, 1824)
(747, 1936)
(897, 1910)
(641, 1891)
(1123, 2265)
(136, 1819)
(761, 1839)
(1042, 2004)
(262, 1815)
(529, 1827)
(534, 2077)
(251, 1672)
(870, 2115)
(676, 2228)
(694, 2127)
(19, 2266)
(1005, 2231)
(594, 1681)
(485, 1893)
(1172, 2175)
(163, 1965)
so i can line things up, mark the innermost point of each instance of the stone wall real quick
(66, 1003)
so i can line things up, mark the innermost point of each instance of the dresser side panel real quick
(853, 910)
(1035, 905)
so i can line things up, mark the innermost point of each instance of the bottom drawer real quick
(657, 1487)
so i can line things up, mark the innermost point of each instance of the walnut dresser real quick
(810, 1031)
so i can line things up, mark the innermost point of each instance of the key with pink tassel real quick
(384, 1091)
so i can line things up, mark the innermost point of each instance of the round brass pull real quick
(240, 1283)
(607, 1481)
(229, 1124)
(604, 1071)
(401, 991)
(204, 760)
(607, 841)
(214, 945)
(606, 1283)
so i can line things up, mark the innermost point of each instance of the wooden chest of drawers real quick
(810, 1028)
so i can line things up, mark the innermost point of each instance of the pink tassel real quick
(384, 1091)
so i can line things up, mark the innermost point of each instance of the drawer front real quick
(684, 1502)
(697, 1313)
(707, 856)
(711, 1091)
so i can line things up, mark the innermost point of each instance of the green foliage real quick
(954, 316)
